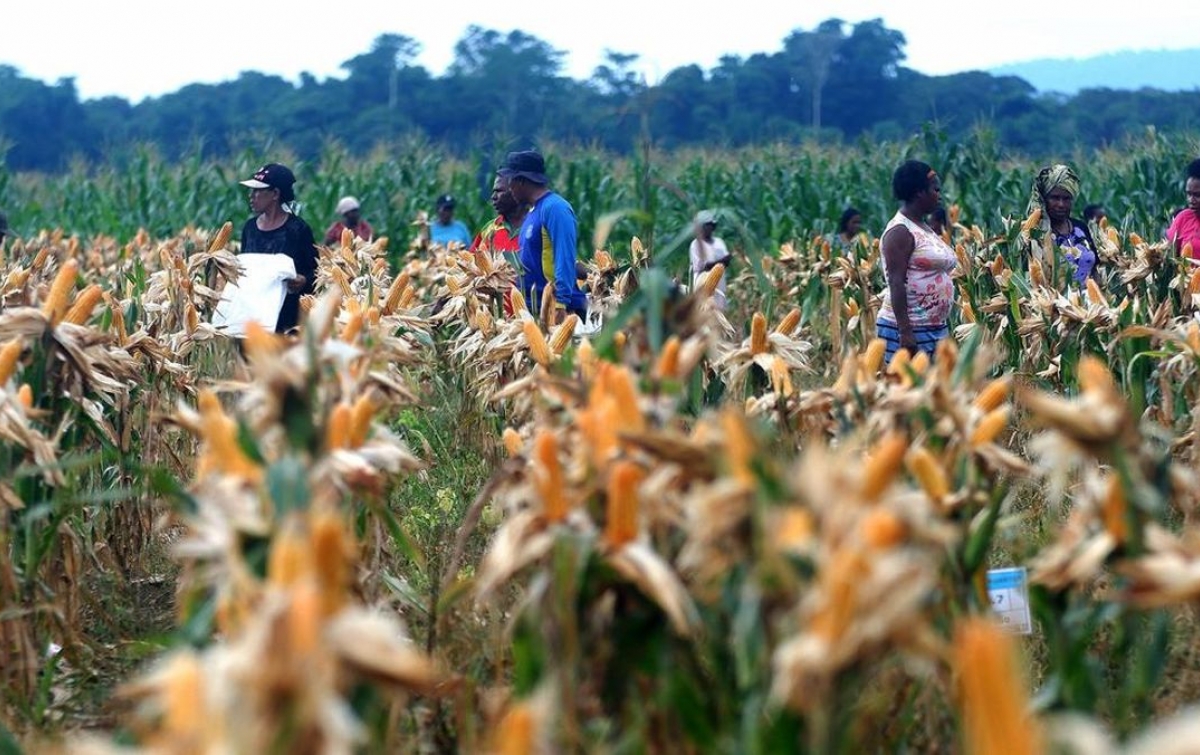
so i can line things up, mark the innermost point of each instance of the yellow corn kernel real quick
(60, 290)
(993, 394)
(1194, 283)
(549, 476)
(1186, 251)
(791, 320)
(360, 420)
(620, 385)
(353, 325)
(1193, 337)
(1034, 218)
(342, 281)
(990, 426)
(1113, 510)
(290, 558)
(1135, 239)
(483, 262)
(394, 292)
(1095, 376)
(518, 302)
(883, 464)
(873, 356)
(928, 472)
(347, 238)
(586, 357)
(304, 619)
(996, 719)
(333, 557)
(85, 303)
(968, 313)
(538, 348)
(758, 333)
(997, 265)
(9, 354)
(1095, 296)
(562, 334)
(184, 708)
(621, 525)
(920, 362)
(258, 341)
(881, 528)
(25, 395)
(517, 731)
(221, 239)
(712, 280)
(337, 434)
(1036, 277)
(512, 442)
(667, 365)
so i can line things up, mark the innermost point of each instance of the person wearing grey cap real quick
(446, 230)
(351, 217)
(707, 251)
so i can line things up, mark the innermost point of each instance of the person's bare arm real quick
(897, 250)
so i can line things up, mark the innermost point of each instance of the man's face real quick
(445, 214)
(503, 201)
(351, 217)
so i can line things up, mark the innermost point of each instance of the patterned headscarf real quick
(1048, 179)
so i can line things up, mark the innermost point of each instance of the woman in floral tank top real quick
(917, 264)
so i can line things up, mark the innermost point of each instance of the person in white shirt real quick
(708, 251)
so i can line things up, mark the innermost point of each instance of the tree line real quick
(838, 81)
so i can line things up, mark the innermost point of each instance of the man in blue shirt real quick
(446, 229)
(548, 236)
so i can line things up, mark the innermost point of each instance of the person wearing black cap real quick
(446, 229)
(274, 229)
(548, 236)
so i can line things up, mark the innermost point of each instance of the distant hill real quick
(1169, 70)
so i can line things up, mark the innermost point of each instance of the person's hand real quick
(297, 283)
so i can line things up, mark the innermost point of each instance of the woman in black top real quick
(274, 229)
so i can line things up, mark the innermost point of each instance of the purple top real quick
(1078, 248)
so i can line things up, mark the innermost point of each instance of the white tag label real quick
(1008, 590)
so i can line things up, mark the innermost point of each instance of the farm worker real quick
(1185, 228)
(849, 226)
(503, 232)
(276, 229)
(548, 236)
(446, 229)
(1054, 192)
(1094, 213)
(350, 211)
(707, 251)
(917, 265)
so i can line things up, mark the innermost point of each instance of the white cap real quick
(346, 204)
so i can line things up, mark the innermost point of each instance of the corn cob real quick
(60, 290)
(883, 464)
(9, 354)
(993, 394)
(562, 334)
(928, 473)
(788, 324)
(621, 525)
(538, 348)
(758, 333)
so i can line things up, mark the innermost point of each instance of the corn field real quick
(426, 525)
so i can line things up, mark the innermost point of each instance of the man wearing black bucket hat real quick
(548, 236)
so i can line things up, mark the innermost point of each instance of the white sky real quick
(139, 48)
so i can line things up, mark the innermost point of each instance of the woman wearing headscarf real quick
(917, 264)
(1054, 192)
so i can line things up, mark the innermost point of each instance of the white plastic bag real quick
(258, 295)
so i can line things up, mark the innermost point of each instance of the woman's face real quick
(1058, 204)
(262, 200)
(1192, 188)
(854, 225)
(931, 198)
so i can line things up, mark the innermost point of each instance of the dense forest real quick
(839, 81)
